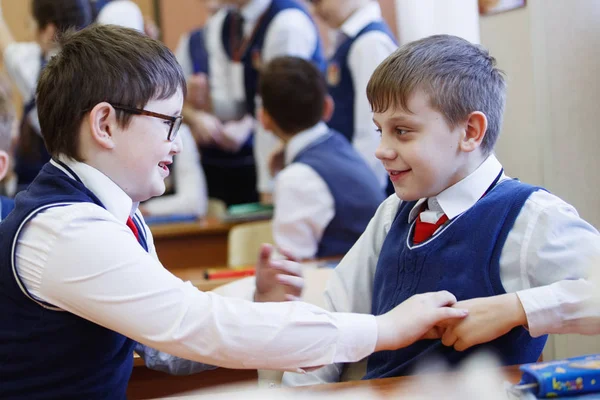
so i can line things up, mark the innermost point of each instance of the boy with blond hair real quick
(515, 255)
(78, 267)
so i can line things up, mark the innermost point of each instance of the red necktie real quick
(133, 228)
(425, 230)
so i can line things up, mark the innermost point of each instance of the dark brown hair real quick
(101, 64)
(458, 76)
(65, 14)
(293, 93)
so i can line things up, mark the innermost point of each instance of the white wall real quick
(417, 19)
(550, 51)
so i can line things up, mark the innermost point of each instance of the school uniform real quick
(78, 269)
(120, 12)
(24, 63)
(521, 239)
(363, 41)
(324, 197)
(230, 176)
(269, 29)
(6, 206)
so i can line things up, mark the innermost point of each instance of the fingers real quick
(294, 284)
(434, 333)
(287, 267)
(449, 338)
(461, 345)
(287, 254)
(444, 298)
(265, 253)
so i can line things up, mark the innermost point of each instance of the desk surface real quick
(242, 385)
(207, 226)
(192, 244)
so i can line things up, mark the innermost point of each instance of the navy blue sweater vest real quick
(340, 84)
(6, 206)
(464, 259)
(47, 353)
(197, 51)
(251, 59)
(353, 185)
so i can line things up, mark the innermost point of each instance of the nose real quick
(176, 145)
(384, 152)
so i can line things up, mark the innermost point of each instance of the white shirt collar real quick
(116, 201)
(362, 17)
(461, 196)
(254, 9)
(302, 139)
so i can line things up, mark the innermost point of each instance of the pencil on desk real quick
(228, 273)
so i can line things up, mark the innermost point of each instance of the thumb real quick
(265, 253)
(446, 316)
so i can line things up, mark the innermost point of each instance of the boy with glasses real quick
(78, 268)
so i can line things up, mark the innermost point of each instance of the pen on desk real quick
(228, 273)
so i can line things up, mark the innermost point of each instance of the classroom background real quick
(550, 51)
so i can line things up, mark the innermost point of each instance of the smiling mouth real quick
(397, 175)
(164, 165)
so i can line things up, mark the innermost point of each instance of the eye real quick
(378, 130)
(400, 131)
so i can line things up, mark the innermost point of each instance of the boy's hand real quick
(277, 280)
(415, 319)
(489, 318)
(198, 91)
(204, 126)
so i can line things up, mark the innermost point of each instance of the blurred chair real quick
(243, 243)
(216, 208)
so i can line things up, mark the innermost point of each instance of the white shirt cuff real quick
(358, 336)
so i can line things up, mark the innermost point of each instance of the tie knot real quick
(424, 229)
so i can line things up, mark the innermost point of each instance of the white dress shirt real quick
(365, 54)
(83, 259)
(292, 33)
(123, 13)
(304, 206)
(544, 260)
(191, 194)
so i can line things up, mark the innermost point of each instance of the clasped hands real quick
(436, 315)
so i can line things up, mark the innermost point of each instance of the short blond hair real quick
(458, 76)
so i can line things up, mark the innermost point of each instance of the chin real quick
(406, 196)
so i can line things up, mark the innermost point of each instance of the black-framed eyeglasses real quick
(173, 127)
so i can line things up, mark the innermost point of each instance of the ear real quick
(4, 164)
(328, 108)
(102, 125)
(265, 119)
(475, 129)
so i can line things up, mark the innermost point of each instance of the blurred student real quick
(24, 63)
(362, 41)
(326, 194)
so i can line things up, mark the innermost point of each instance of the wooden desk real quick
(148, 384)
(192, 244)
(384, 388)
(145, 383)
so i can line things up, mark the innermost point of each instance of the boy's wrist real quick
(515, 310)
